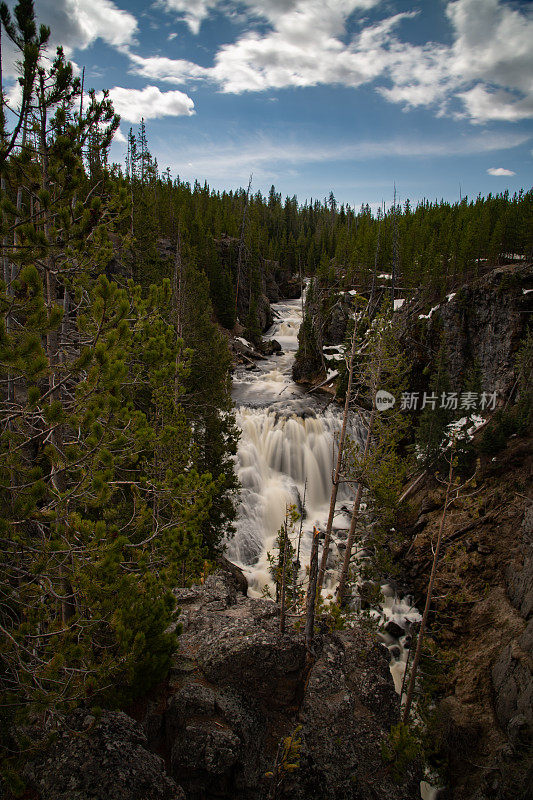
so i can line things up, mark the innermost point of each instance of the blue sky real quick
(317, 95)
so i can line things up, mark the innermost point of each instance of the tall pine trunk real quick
(355, 515)
(338, 465)
(429, 595)
(311, 594)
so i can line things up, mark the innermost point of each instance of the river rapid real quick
(286, 451)
(286, 455)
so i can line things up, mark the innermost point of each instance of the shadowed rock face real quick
(482, 324)
(485, 722)
(238, 688)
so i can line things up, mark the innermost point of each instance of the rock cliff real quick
(482, 622)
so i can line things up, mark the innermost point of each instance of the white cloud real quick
(193, 13)
(304, 50)
(119, 137)
(488, 68)
(492, 49)
(500, 171)
(150, 103)
(76, 24)
(176, 71)
(483, 104)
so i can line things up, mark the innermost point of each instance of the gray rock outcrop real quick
(98, 759)
(238, 688)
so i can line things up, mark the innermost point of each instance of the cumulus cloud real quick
(170, 70)
(483, 104)
(485, 74)
(499, 171)
(150, 103)
(76, 24)
(492, 48)
(119, 137)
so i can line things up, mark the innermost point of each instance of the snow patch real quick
(427, 316)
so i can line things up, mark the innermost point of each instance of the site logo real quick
(384, 400)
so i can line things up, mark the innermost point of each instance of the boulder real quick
(394, 629)
(238, 576)
(98, 758)
(269, 347)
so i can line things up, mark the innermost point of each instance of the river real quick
(286, 451)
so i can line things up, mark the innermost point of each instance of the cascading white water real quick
(286, 448)
(279, 459)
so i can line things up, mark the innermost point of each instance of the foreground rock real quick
(238, 688)
(100, 759)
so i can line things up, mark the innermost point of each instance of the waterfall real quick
(279, 457)
(287, 446)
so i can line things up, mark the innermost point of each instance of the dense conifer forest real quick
(117, 433)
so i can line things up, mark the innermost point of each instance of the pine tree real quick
(102, 502)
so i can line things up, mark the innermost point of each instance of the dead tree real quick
(241, 244)
(283, 574)
(311, 594)
(355, 515)
(338, 465)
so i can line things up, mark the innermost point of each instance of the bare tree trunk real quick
(301, 285)
(177, 290)
(296, 565)
(311, 593)
(429, 594)
(336, 476)
(283, 573)
(6, 266)
(395, 254)
(355, 514)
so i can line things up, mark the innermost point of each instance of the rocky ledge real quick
(237, 689)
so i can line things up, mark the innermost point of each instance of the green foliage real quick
(286, 546)
(106, 486)
(400, 750)
(287, 760)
